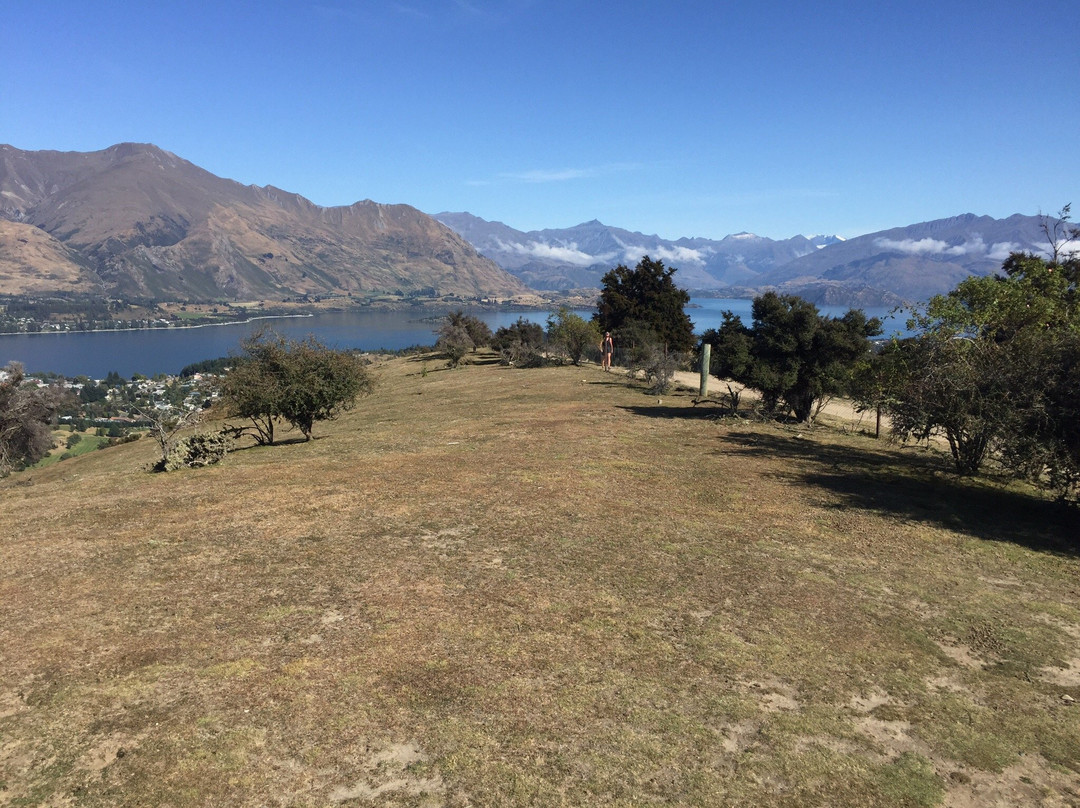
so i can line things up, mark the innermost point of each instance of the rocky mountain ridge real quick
(137, 220)
(903, 264)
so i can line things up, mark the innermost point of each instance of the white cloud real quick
(567, 254)
(1066, 248)
(998, 251)
(541, 175)
(926, 246)
(968, 247)
(669, 255)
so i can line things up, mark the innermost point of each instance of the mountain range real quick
(139, 221)
(135, 220)
(889, 267)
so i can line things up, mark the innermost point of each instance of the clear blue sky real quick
(676, 118)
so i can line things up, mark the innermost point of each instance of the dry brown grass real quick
(505, 587)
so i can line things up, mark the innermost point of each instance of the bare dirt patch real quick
(391, 771)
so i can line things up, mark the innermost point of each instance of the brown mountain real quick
(136, 220)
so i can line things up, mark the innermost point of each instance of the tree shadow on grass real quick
(705, 410)
(278, 442)
(918, 488)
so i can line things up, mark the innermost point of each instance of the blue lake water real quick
(154, 351)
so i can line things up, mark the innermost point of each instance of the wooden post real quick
(706, 356)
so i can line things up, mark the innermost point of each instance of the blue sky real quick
(675, 118)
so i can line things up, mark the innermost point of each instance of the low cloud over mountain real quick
(577, 257)
(901, 264)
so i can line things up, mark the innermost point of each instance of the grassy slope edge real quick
(491, 586)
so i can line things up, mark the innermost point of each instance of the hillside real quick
(134, 220)
(509, 587)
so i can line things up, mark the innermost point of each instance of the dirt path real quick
(838, 412)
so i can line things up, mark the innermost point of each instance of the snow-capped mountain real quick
(903, 264)
(577, 257)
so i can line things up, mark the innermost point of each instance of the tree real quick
(994, 368)
(1060, 232)
(454, 342)
(26, 419)
(478, 331)
(297, 382)
(792, 353)
(730, 354)
(646, 294)
(572, 335)
(461, 333)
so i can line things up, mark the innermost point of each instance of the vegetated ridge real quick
(885, 268)
(136, 220)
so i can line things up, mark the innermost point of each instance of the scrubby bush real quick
(792, 354)
(194, 451)
(461, 333)
(657, 365)
(572, 336)
(520, 344)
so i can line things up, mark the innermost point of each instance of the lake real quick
(167, 350)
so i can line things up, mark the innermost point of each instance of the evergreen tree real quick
(646, 295)
(792, 354)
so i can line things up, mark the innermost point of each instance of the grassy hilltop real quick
(490, 586)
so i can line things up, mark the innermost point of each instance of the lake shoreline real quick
(433, 312)
(153, 351)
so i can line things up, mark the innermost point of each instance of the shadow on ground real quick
(705, 410)
(919, 488)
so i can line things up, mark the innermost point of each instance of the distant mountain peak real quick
(884, 268)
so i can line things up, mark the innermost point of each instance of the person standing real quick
(607, 347)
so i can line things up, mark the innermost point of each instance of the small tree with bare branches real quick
(26, 418)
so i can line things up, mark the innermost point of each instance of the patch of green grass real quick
(88, 444)
(910, 780)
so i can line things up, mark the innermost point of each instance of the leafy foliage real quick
(219, 366)
(26, 416)
(196, 451)
(298, 382)
(648, 295)
(520, 344)
(461, 333)
(996, 367)
(572, 335)
(792, 353)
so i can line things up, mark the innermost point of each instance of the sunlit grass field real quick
(498, 587)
